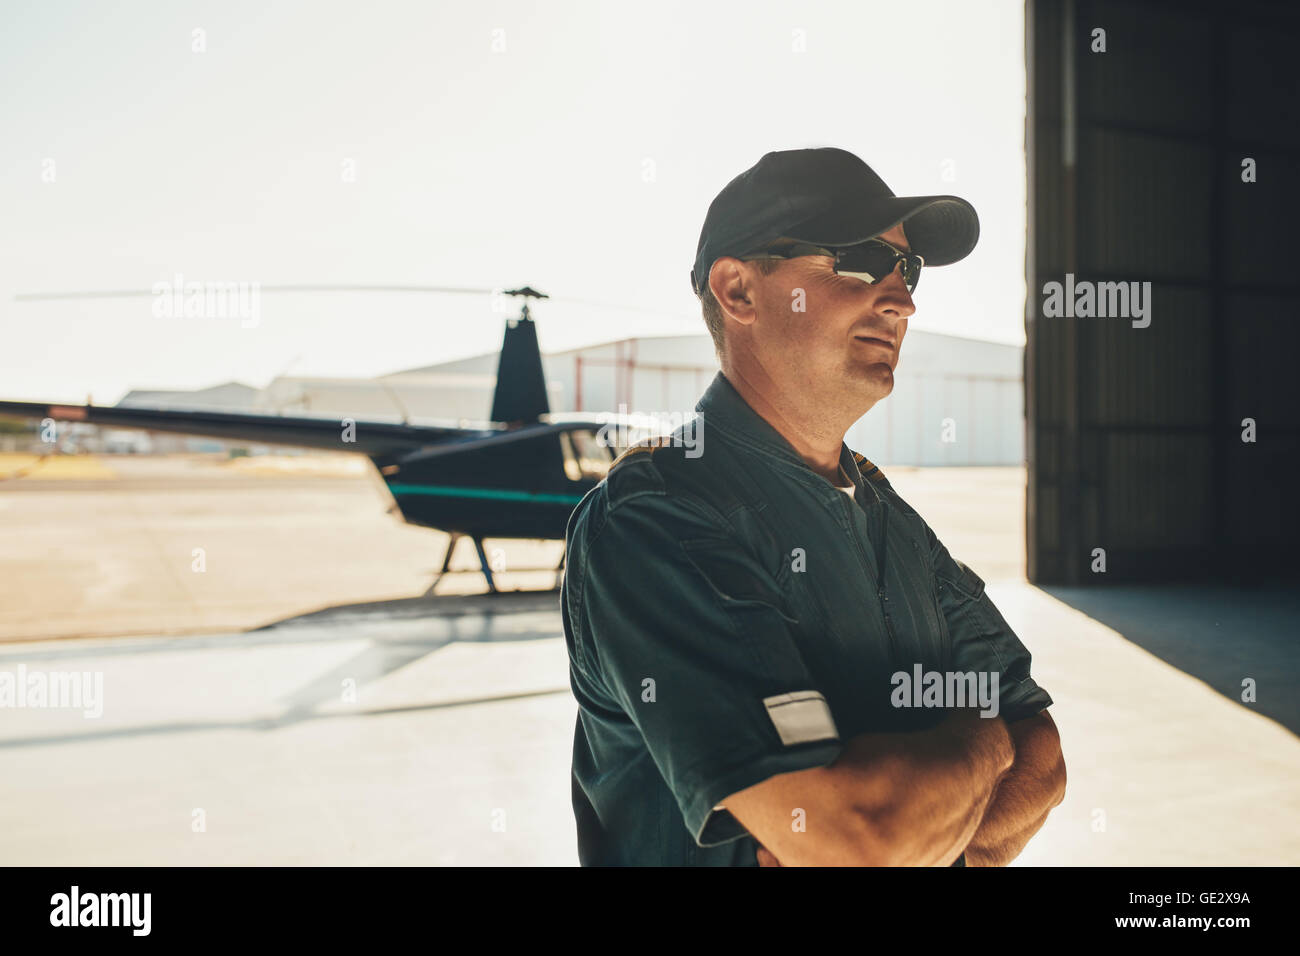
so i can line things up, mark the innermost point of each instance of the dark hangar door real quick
(1141, 155)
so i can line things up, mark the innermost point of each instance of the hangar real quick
(1140, 122)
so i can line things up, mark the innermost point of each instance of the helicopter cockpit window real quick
(584, 455)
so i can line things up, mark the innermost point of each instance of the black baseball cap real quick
(827, 197)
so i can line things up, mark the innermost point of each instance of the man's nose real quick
(894, 300)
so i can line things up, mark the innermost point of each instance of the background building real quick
(956, 401)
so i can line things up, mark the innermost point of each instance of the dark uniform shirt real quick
(731, 615)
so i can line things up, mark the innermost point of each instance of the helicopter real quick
(519, 477)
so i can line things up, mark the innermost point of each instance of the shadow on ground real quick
(1221, 636)
(396, 634)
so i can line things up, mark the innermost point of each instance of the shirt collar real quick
(722, 407)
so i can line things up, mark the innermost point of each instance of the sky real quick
(570, 146)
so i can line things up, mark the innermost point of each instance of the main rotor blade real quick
(137, 293)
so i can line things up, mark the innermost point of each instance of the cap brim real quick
(940, 229)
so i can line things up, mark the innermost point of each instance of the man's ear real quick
(732, 284)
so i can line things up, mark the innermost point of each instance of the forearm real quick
(1024, 796)
(1018, 811)
(926, 793)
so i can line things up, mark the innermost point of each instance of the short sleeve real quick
(686, 631)
(982, 640)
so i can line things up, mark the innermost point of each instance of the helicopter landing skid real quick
(484, 566)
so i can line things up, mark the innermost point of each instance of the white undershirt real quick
(849, 489)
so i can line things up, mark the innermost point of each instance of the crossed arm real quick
(974, 784)
(1025, 794)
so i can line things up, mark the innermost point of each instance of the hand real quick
(765, 857)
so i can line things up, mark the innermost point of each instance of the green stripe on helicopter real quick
(500, 494)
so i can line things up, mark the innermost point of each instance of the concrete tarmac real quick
(347, 718)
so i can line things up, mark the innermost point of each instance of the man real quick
(743, 608)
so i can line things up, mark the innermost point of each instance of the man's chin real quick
(877, 377)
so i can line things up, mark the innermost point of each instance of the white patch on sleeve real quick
(801, 717)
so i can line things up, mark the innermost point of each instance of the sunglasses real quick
(870, 261)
